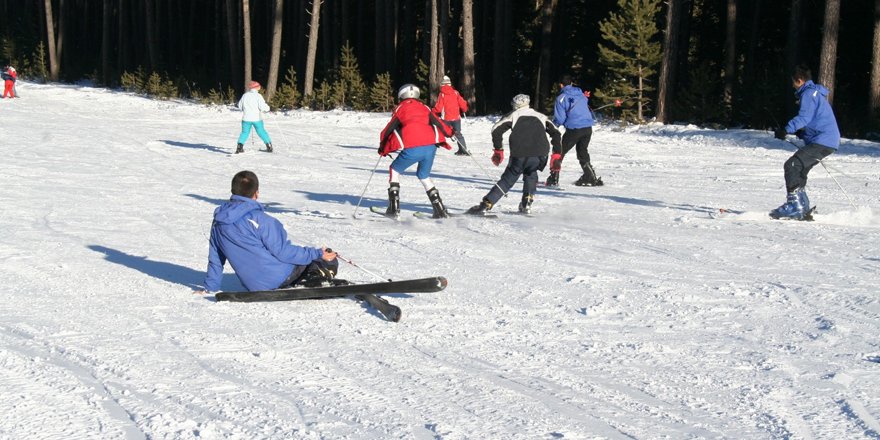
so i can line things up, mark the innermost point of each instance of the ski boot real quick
(525, 206)
(393, 210)
(437, 204)
(585, 181)
(552, 179)
(269, 147)
(480, 209)
(462, 151)
(791, 209)
(589, 177)
(239, 148)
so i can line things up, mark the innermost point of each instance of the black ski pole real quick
(354, 213)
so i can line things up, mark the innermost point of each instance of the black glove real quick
(780, 133)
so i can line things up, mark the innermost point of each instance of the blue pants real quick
(246, 131)
(424, 156)
(527, 167)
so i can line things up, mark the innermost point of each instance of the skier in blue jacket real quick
(257, 247)
(816, 125)
(572, 111)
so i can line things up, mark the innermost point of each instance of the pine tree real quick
(350, 89)
(382, 93)
(286, 97)
(631, 56)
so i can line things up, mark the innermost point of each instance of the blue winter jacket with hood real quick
(255, 244)
(815, 117)
(572, 109)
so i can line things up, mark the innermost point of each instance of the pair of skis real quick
(425, 215)
(365, 292)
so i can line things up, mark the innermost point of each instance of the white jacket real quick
(252, 104)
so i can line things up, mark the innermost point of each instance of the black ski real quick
(430, 216)
(390, 311)
(366, 292)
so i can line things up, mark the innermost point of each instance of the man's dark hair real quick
(245, 184)
(566, 80)
(803, 73)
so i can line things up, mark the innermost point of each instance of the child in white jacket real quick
(252, 105)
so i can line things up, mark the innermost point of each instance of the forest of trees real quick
(722, 63)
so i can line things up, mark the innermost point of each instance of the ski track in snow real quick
(621, 311)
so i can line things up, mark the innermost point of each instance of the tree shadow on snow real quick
(162, 270)
(210, 148)
(270, 207)
(352, 199)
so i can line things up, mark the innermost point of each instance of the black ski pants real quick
(580, 138)
(799, 165)
(527, 167)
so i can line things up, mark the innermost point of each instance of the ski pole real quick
(354, 213)
(361, 268)
(831, 176)
(503, 192)
(283, 136)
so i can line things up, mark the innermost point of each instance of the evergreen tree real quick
(631, 55)
(382, 93)
(350, 90)
(286, 97)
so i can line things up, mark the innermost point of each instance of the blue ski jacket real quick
(572, 109)
(815, 117)
(255, 244)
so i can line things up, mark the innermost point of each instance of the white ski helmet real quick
(520, 101)
(408, 91)
(445, 80)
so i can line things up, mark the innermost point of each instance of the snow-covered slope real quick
(622, 311)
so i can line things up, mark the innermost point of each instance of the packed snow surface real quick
(622, 311)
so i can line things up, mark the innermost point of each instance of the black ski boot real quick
(589, 178)
(269, 148)
(437, 204)
(480, 209)
(239, 148)
(462, 151)
(525, 206)
(393, 210)
(553, 179)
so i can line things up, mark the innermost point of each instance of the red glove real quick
(556, 162)
(587, 93)
(497, 157)
(444, 145)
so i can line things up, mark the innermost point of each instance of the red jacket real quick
(413, 125)
(450, 105)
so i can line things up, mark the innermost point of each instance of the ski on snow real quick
(734, 213)
(366, 292)
(428, 216)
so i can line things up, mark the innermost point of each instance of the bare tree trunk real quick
(436, 69)
(792, 45)
(54, 56)
(501, 54)
(542, 82)
(151, 35)
(875, 65)
(232, 35)
(246, 27)
(381, 28)
(667, 81)
(275, 59)
(468, 79)
(730, 55)
(105, 43)
(828, 59)
(313, 47)
(122, 44)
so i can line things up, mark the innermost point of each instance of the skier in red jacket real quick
(10, 76)
(450, 106)
(416, 132)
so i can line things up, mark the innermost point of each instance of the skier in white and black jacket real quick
(529, 148)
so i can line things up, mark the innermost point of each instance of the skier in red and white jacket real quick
(9, 76)
(417, 133)
(450, 106)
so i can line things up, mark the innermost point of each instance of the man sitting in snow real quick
(257, 247)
